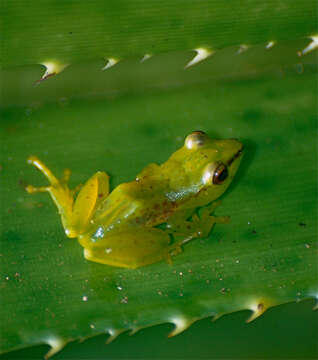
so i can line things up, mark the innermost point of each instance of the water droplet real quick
(85, 298)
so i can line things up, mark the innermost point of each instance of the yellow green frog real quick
(148, 219)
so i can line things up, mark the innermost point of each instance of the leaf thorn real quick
(201, 54)
(312, 45)
(146, 57)
(110, 63)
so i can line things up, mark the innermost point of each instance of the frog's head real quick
(208, 166)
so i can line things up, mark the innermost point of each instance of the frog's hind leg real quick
(131, 248)
(75, 216)
(58, 189)
(92, 193)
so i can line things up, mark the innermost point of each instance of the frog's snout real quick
(238, 152)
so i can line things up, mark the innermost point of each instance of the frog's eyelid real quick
(212, 174)
(208, 174)
(195, 139)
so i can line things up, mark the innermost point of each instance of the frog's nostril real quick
(236, 155)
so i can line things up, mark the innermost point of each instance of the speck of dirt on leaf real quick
(124, 300)
(85, 298)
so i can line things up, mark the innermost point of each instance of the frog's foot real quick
(75, 214)
(207, 220)
(58, 189)
(208, 210)
(184, 231)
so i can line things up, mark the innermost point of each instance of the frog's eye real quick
(195, 139)
(215, 174)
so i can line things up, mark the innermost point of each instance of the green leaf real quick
(265, 257)
(135, 113)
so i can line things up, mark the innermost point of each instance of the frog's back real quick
(117, 209)
(132, 204)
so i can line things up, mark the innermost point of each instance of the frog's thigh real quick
(131, 249)
(95, 190)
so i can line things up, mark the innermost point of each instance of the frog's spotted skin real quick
(119, 228)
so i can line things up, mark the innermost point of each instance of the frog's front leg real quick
(186, 226)
(75, 213)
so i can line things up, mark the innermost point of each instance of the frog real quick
(151, 218)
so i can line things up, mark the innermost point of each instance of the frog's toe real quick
(222, 219)
(175, 249)
(35, 161)
(32, 160)
(32, 189)
(66, 176)
(207, 211)
(76, 189)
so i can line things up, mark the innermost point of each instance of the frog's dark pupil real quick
(223, 175)
(220, 174)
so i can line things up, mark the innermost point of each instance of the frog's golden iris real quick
(120, 228)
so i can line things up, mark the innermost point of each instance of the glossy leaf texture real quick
(257, 83)
(265, 257)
